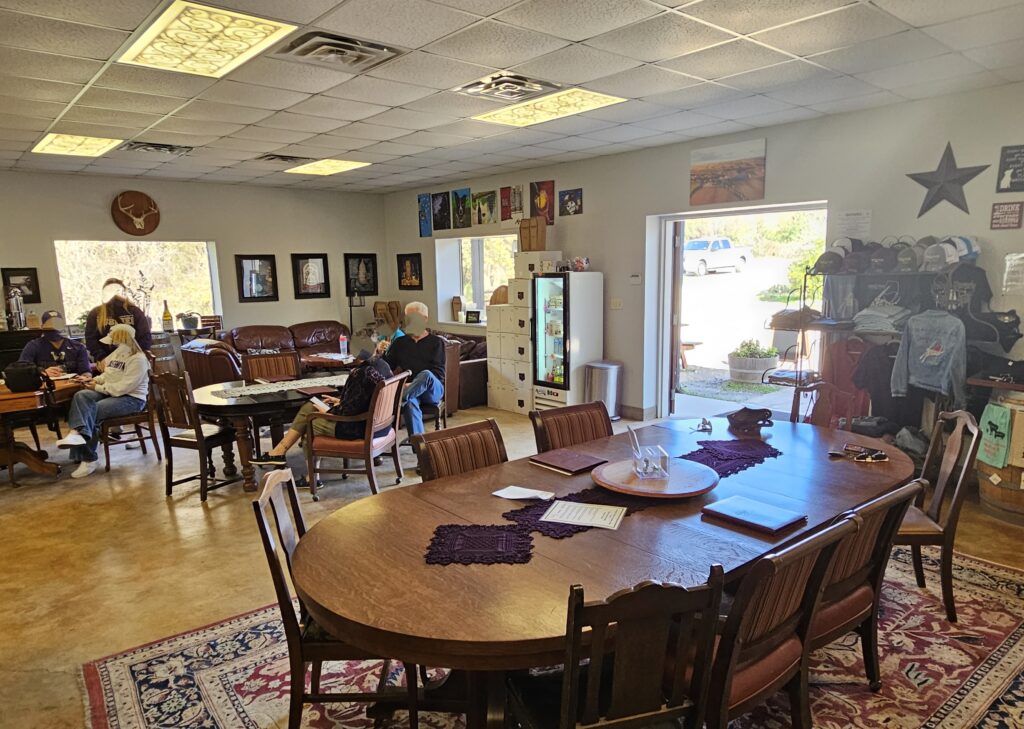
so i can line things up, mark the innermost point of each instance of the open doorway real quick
(732, 271)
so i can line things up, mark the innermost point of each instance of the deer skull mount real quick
(135, 213)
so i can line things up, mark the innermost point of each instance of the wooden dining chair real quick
(309, 645)
(135, 428)
(382, 417)
(764, 644)
(828, 406)
(935, 525)
(571, 425)
(181, 427)
(271, 367)
(625, 673)
(852, 589)
(459, 450)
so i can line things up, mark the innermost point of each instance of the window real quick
(486, 264)
(180, 272)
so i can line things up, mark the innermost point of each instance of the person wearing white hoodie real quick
(122, 389)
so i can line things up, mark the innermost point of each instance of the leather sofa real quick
(306, 338)
(209, 361)
(471, 371)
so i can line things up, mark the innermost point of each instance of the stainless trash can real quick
(602, 380)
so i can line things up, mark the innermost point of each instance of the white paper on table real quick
(590, 515)
(521, 492)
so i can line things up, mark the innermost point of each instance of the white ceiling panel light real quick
(548, 108)
(192, 38)
(75, 146)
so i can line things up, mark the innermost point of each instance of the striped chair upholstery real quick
(571, 425)
(459, 450)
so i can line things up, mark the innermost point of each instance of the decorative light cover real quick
(193, 38)
(327, 167)
(74, 145)
(548, 108)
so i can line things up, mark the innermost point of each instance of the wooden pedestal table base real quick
(243, 438)
(14, 453)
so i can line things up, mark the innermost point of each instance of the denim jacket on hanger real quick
(932, 356)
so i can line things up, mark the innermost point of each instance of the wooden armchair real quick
(828, 404)
(272, 367)
(383, 415)
(135, 428)
(571, 425)
(459, 450)
(935, 524)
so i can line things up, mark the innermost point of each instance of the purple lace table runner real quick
(731, 456)
(480, 544)
(528, 517)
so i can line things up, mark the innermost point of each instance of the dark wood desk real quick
(15, 403)
(361, 570)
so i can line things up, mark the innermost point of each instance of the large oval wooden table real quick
(361, 570)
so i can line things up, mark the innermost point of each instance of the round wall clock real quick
(135, 212)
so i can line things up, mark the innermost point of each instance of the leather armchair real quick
(471, 371)
(209, 361)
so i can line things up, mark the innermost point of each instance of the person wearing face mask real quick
(115, 309)
(54, 353)
(422, 354)
(122, 389)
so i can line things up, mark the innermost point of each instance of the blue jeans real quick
(90, 408)
(423, 389)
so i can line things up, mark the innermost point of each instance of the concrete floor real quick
(96, 566)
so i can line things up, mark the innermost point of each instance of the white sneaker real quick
(71, 440)
(85, 468)
(131, 446)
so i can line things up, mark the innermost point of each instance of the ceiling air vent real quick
(507, 87)
(171, 150)
(284, 159)
(337, 51)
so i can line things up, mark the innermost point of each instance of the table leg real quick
(243, 439)
(15, 453)
(487, 698)
(230, 469)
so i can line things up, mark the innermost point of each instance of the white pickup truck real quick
(713, 254)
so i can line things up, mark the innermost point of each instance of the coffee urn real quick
(15, 309)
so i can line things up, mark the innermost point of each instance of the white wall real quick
(855, 161)
(36, 209)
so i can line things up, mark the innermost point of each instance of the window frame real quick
(476, 266)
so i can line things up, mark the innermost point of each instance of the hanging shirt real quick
(838, 365)
(933, 356)
(873, 374)
(72, 355)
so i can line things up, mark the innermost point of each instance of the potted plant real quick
(189, 319)
(749, 361)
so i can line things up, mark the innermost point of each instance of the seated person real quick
(122, 389)
(386, 337)
(422, 354)
(353, 399)
(53, 352)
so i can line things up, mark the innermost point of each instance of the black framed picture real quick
(257, 278)
(310, 276)
(472, 316)
(410, 272)
(24, 279)
(360, 274)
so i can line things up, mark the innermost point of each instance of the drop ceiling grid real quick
(270, 105)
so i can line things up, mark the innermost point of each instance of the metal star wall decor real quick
(946, 182)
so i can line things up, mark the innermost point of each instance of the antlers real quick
(138, 220)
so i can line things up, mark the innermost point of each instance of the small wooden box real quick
(533, 233)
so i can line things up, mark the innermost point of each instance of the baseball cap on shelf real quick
(883, 259)
(130, 330)
(966, 247)
(856, 262)
(939, 256)
(52, 319)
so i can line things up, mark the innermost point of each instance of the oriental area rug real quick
(234, 674)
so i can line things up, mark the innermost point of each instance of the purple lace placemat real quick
(528, 517)
(731, 456)
(480, 544)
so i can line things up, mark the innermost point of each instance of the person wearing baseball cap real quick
(54, 353)
(122, 389)
(116, 308)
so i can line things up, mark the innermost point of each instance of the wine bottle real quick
(168, 320)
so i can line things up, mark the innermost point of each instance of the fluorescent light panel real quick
(74, 145)
(193, 38)
(327, 167)
(548, 108)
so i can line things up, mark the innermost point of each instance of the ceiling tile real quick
(409, 23)
(1011, 73)
(694, 96)
(680, 121)
(215, 111)
(529, 136)
(261, 97)
(572, 144)
(248, 145)
(18, 135)
(622, 133)
(772, 77)
(57, 36)
(51, 66)
(193, 126)
(981, 30)
(891, 50)
(714, 130)
(629, 111)
(289, 75)
(786, 116)
(14, 146)
(337, 109)
(844, 27)
(943, 86)
(426, 69)
(329, 141)
(577, 20)
(372, 157)
(841, 106)
(378, 91)
(153, 81)
(302, 12)
(931, 12)
(452, 104)
(659, 38)
(362, 130)
(219, 153)
(432, 139)
(660, 140)
(30, 107)
(750, 17)
(579, 124)
(725, 60)
(27, 123)
(300, 122)
(270, 134)
(641, 81)
(396, 148)
(190, 140)
(1001, 55)
(129, 101)
(938, 68)
(405, 119)
(739, 108)
(118, 118)
(308, 150)
(85, 129)
(575, 64)
(495, 44)
(820, 90)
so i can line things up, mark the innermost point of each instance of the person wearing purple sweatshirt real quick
(53, 352)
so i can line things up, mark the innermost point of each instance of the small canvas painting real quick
(727, 173)
(26, 280)
(542, 200)
(462, 208)
(310, 276)
(257, 278)
(512, 202)
(441, 211)
(360, 274)
(570, 202)
(410, 272)
(426, 215)
(484, 204)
